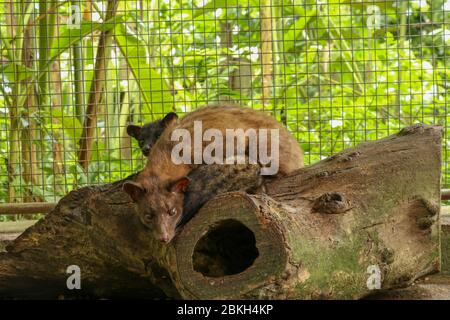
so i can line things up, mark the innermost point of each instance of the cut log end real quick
(230, 249)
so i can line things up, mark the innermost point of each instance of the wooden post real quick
(26, 208)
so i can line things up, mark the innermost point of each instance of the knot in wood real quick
(419, 128)
(331, 203)
(349, 156)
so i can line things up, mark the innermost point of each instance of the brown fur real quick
(157, 185)
(208, 181)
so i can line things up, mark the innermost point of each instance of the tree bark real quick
(314, 234)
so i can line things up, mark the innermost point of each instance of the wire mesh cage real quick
(74, 74)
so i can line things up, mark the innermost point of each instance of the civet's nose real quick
(164, 238)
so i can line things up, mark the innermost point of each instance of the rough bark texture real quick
(313, 235)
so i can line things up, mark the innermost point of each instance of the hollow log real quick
(323, 231)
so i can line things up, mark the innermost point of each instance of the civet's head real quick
(149, 133)
(160, 208)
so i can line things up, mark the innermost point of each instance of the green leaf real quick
(8, 71)
(154, 90)
(70, 124)
(306, 147)
(68, 36)
(214, 5)
(296, 29)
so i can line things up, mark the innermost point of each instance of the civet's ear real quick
(134, 190)
(180, 185)
(169, 119)
(134, 131)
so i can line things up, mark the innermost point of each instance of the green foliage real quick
(337, 82)
(152, 87)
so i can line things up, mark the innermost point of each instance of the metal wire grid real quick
(335, 73)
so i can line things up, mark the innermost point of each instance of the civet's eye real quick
(148, 217)
(173, 211)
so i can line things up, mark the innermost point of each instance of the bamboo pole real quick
(14, 124)
(96, 91)
(30, 134)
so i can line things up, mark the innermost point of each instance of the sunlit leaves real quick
(153, 88)
(68, 35)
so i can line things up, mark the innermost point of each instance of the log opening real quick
(233, 249)
(228, 248)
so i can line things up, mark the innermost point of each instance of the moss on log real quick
(313, 235)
